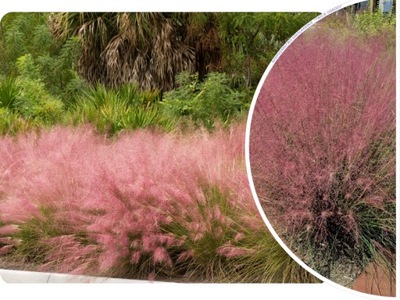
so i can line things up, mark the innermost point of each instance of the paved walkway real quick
(13, 276)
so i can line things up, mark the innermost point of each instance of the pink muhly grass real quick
(152, 276)
(239, 236)
(322, 139)
(230, 251)
(7, 241)
(105, 206)
(189, 254)
(6, 249)
(135, 258)
(70, 255)
(160, 255)
(8, 229)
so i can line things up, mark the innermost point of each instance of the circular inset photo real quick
(322, 149)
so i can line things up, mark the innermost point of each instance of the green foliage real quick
(73, 89)
(26, 39)
(58, 70)
(374, 23)
(365, 25)
(255, 257)
(18, 32)
(378, 220)
(11, 122)
(25, 103)
(137, 98)
(33, 234)
(206, 262)
(33, 100)
(27, 68)
(31, 247)
(35, 103)
(112, 111)
(8, 93)
(250, 41)
(266, 262)
(205, 103)
(43, 57)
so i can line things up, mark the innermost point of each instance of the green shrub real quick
(30, 50)
(35, 103)
(18, 31)
(205, 103)
(112, 111)
(27, 67)
(373, 23)
(250, 40)
(11, 122)
(24, 102)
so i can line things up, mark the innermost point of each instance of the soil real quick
(344, 272)
(374, 279)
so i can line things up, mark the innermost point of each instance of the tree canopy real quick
(150, 49)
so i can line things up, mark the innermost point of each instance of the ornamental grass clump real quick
(143, 205)
(322, 151)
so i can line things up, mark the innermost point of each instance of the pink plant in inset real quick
(144, 204)
(322, 149)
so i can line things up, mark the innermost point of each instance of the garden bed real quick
(144, 205)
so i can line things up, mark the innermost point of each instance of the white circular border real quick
(247, 157)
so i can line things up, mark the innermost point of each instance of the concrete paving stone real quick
(14, 276)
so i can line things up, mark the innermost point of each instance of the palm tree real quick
(150, 49)
(146, 48)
